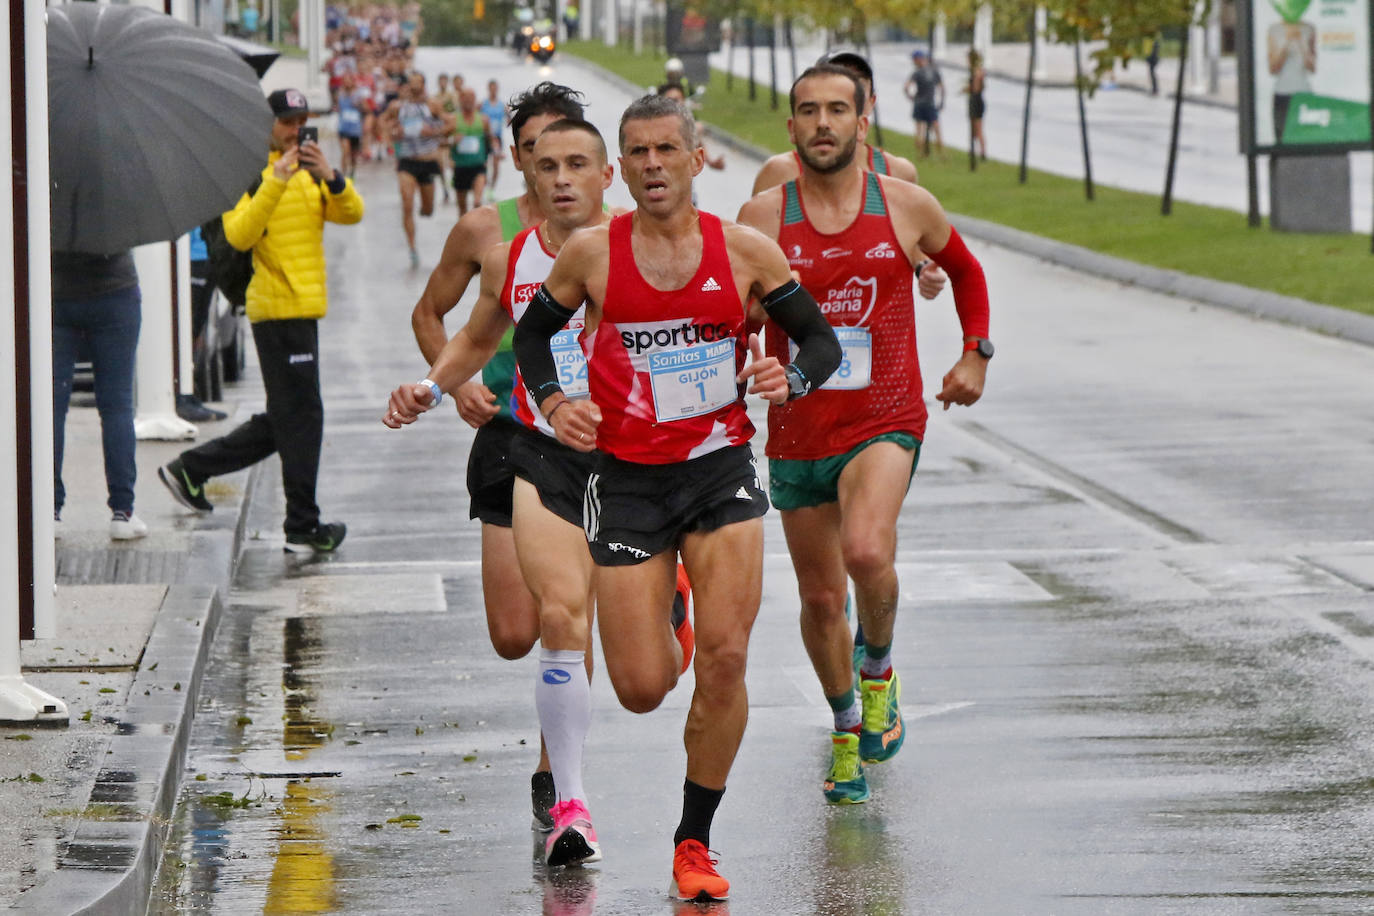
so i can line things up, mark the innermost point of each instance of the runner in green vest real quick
(472, 141)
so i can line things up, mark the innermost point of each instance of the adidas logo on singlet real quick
(710, 286)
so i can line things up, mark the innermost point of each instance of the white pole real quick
(638, 25)
(1042, 22)
(181, 9)
(612, 22)
(40, 321)
(1197, 58)
(20, 701)
(312, 24)
(156, 416)
(938, 45)
(584, 19)
(982, 30)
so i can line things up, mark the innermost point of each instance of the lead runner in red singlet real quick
(665, 289)
(570, 174)
(841, 461)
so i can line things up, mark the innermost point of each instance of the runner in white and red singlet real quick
(570, 176)
(484, 403)
(841, 461)
(665, 289)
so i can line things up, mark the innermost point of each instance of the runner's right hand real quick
(575, 425)
(406, 405)
(476, 404)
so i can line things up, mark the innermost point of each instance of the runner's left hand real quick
(313, 161)
(964, 383)
(770, 382)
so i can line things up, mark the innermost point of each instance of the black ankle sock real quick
(698, 809)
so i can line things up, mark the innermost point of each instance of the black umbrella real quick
(153, 127)
(259, 57)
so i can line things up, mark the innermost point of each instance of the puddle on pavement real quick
(225, 825)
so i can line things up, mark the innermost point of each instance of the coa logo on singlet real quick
(850, 304)
(795, 259)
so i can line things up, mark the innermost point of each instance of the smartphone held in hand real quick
(308, 135)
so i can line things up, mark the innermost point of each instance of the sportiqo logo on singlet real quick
(852, 303)
(690, 366)
(644, 336)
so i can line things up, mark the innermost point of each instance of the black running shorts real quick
(422, 170)
(465, 176)
(635, 511)
(490, 473)
(558, 473)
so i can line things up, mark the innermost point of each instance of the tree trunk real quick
(753, 93)
(773, 64)
(730, 55)
(877, 128)
(1167, 205)
(1030, 84)
(1082, 119)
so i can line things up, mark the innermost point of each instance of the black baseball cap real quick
(288, 102)
(850, 60)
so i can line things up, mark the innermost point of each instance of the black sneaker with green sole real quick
(188, 492)
(326, 538)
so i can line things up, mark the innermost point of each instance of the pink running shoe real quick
(573, 840)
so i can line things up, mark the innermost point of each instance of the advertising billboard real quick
(690, 30)
(1305, 75)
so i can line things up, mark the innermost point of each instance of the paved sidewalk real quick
(85, 804)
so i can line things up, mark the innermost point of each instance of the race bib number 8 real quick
(691, 381)
(571, 363)
(856, 366)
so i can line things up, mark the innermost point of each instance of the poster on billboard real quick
(1305, 75)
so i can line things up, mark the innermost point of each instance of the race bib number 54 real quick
(691, 381)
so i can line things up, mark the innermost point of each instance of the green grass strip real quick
(1336, 269)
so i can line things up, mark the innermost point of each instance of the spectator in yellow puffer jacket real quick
(282, 222)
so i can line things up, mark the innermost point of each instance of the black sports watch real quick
(982, 345)
(797, 385)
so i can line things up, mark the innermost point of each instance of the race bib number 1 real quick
(856, 366)
(691, 381)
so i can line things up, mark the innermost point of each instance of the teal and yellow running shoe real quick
(883, 731)
(845, 784)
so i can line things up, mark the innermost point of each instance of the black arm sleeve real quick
(796, 312)
(543, 318)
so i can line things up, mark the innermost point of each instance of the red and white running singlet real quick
(526, 270)
(663, 363)
(863, 281)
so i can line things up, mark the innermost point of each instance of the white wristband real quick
(434, 390)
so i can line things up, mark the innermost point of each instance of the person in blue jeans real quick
(96, 310)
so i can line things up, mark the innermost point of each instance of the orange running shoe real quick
(682, 618)
(694, 874)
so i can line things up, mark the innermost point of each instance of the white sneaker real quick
(127, 527)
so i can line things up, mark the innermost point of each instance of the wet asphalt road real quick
(1136, 635)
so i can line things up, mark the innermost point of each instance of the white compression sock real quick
(563, 699)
